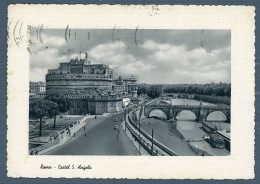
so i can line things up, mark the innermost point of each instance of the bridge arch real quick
(224, 112)
(201, 112)
(178, 111)
(157, 109)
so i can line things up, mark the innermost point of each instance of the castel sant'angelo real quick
(91, 88)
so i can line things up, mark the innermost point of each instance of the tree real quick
(61, 101)
(154, 91)
(53, 110)
(141, 90)
(228, 91)
(41, 108)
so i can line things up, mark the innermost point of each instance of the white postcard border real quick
(240, 19)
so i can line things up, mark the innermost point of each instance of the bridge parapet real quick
(213, 107)
(201, 112)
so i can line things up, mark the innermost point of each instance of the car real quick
(206, 137)
(188, 140)
(115, 120)
(116, 127)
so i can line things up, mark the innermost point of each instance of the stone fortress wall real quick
(96, 105)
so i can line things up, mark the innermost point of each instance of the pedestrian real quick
(36, 152)
(117, 134)
(31, 153)
(85, 134)
(84, 128)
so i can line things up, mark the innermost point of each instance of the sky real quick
(152, 56)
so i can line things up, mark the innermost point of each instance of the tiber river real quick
(188, 127)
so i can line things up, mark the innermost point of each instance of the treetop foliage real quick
(63, 103)
(217, 90)
(152, 91)
(41, 108)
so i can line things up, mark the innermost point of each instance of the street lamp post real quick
(124, 114)
(152, 141)
(139, 140)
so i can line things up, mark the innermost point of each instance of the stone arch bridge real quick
(201, 112)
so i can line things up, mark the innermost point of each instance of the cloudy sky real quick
(153, 56)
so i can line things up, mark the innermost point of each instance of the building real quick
(37, 87)
(125, 86)
(90, 88)
(79, 76)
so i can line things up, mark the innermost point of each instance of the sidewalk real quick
(64, 138)
(140, 148)
(160, 151)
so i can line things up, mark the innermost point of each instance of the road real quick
(100, 139)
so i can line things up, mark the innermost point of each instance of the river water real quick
(188, 127)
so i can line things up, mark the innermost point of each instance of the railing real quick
(151, 101)
(189, 106)
(157, 143)
(142, 141)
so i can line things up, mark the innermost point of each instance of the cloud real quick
(149, 45)
(42, 61)
(53, 41)
(111, 53)
(122, 61)
(188, 66)
(161, 56)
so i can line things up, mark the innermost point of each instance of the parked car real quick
(116, 127)
(206, 137)
(188, 140)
